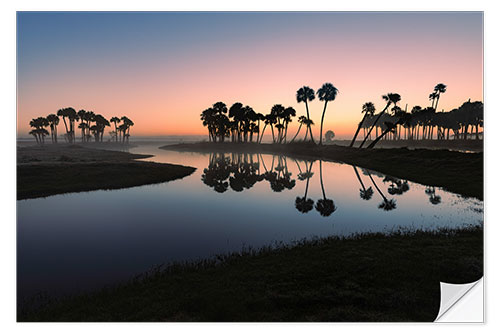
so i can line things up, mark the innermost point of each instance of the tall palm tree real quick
(64, 114)
(237, 112)
(287, 118)
(278, 111)
(326, 93)
(81, 116)
(306, 94)
(128, 123)
(432, 98)
(53, 122)
(439, 89)
(116, 121)
(324, 206)
(390, 98)
(368, 109)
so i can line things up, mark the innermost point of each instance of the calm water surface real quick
(74, 242)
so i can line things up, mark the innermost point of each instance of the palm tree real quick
(39, 132)
(389, 127)
(116, 121)
(287, 118)
(390, 98)
(128, 123)
(278, 111)
(439, 89)
(237, 112)
(306, 94)
(302, 120)
(368, 109)
(432, 98)
(81, 116)
(326, 93)
(324, 206)
(64, 114)
(53, 122)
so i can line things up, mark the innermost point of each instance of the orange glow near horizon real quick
(164, 94)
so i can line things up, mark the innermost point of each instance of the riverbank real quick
(57, 169)
(461, 173)
(367, 277)
(472, 145)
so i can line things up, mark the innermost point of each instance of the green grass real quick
(366, 277)
(457, 172)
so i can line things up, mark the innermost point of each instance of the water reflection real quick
(241, 171)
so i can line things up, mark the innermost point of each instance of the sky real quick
(162, 69)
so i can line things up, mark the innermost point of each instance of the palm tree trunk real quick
(359, 178)
(374, 124)
(357, 131)
(321, 126)
(262, 135)
(296, 133)
(378, 139)
(309, 123)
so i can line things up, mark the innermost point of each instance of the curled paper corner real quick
(461, 303)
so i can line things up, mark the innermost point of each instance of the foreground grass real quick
(457, 172)
(44, 171)
(368, 277)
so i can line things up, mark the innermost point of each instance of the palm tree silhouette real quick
(115, 121)
(324, 206)
(326, 93)
(304, 205)
(302, 120)
(53, 122)
(390, 98)
(81, 116)
(368, 109)
(306, 94)
(364, 193)
(439, 89)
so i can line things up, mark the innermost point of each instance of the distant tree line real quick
(91, 125)
(242, 124)
(420, 123)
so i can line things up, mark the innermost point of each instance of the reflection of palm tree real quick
(397, 186)
(304, 205)
(433, 198)
(364, 193)
(324, 206)
(385, 204)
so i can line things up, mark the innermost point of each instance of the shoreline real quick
(46, 171)
(367, 277)
(457, 172)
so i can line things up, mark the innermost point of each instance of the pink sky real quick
(163, 86)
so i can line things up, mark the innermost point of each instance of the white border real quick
(8, 135)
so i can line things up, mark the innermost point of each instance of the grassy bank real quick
(457, 172)
(369, 277)
(44, 171)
